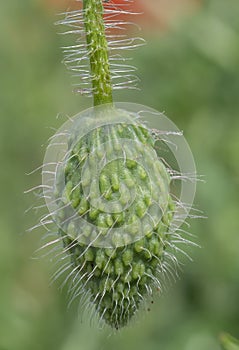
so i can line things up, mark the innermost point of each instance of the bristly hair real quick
(117, 30)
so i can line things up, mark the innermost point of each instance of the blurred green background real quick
(190, 71)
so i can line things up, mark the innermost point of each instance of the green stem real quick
(98, 51)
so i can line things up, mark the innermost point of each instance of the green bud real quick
(130, 205)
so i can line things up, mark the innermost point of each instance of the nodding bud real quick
(107, 181)
(110, 194)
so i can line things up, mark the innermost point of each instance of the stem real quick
(98, 51)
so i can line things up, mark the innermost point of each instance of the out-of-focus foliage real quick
(191, 72)
(228, 342)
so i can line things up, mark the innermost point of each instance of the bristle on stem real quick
(96, 59)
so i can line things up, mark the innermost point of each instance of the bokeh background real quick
(190, 70)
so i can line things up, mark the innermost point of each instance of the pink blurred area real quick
(153, 13)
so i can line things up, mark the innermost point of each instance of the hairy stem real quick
(98, 51)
